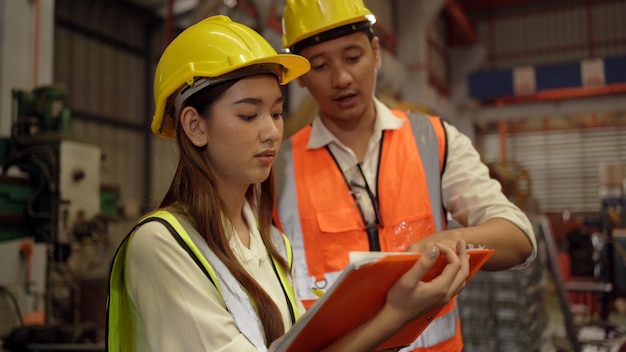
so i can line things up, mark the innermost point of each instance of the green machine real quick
(50, 192)
(34, 196)
(29, 179)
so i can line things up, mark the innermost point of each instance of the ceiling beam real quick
(461, 21)
(564, 93)
(478, 5)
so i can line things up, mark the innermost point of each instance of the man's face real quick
(343, 77)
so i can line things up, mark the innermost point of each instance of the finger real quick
(421, 267)
(461, 277)
(461, 272)
(452, 277)
(461, 249)
(454, 263)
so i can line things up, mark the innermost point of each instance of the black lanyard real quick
(371, 229)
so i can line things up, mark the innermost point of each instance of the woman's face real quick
(245, 130)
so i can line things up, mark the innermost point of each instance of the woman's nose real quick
(272, 128)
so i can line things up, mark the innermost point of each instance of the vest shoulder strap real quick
(118, 330)
(429, 133)
(117, 337)
(185, 246)
(280, 241)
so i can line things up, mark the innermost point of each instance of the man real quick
(363, 177)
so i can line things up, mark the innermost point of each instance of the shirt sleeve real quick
(471, 196)
(178, 308)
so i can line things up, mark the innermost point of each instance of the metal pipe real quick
(36, 49)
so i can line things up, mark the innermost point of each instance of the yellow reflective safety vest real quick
(119, 332)
(316, 209)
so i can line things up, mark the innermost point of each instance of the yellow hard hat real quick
(212, 51)
(310, 19)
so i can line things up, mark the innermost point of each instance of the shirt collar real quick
(257, 249)
(385, 120)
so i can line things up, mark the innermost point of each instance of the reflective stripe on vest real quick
(429, 133)
(235, 298)
(319, 215)
(440, 329)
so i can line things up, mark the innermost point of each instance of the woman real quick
(207, 271)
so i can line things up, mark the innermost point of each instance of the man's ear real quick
(300, 82)
(377, 54)
(194, 126)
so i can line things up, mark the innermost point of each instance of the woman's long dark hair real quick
(193, 192)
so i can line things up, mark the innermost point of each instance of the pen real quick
(317, 292)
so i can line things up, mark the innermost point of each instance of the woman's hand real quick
(410, 297)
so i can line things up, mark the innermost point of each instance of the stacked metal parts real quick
(506, 310)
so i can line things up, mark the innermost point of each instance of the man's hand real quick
(448, 238)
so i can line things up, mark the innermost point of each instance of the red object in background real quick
(564, 265)
(26, 251)
(561, 227)
(577, 299)
(34, 317)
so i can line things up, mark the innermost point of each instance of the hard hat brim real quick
(293, 66)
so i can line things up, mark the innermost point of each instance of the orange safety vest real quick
(331, 226)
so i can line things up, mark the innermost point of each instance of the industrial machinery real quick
(53, 209)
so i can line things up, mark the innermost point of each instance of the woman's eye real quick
(247, 117)
(277, 115)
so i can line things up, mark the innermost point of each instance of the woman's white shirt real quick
(177, 307)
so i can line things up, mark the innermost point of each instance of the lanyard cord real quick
(370, 229)
(370, 194)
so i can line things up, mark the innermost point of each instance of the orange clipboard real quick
(358, 294)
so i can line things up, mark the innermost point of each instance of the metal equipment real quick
(50, 195)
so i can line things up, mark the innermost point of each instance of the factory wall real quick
(104, 53)
(26, 50)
